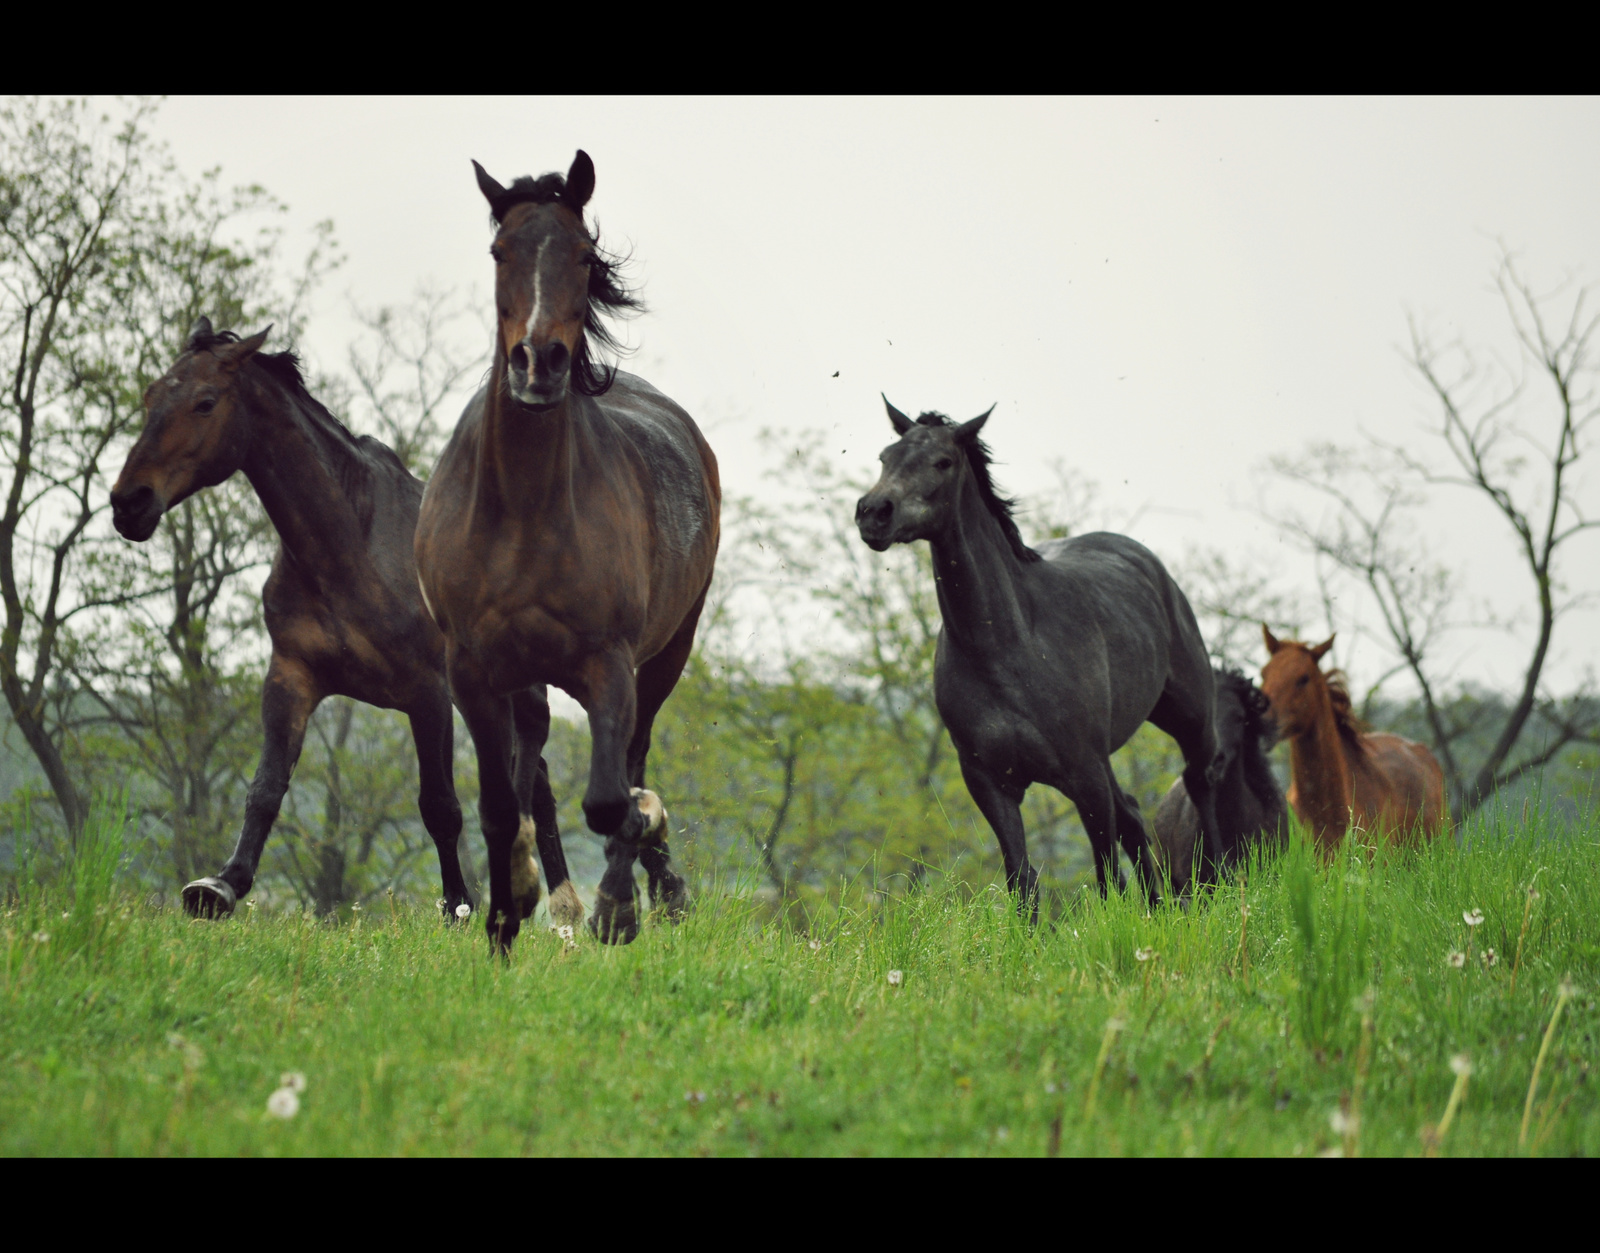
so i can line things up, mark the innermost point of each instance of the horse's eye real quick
(1302, 680)
(494, 252)
(206, 405)
(944, 463)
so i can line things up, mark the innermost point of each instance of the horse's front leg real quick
(433, 731)
(1001, 805)
(488, 718)
(609, 805)
(530, 711)
(288, 698)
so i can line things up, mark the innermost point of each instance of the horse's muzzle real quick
(538, 377)
(136, 512)
(874, 519)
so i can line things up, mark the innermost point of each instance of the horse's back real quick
(1401, 787)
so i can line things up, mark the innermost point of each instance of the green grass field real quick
(1330, 1024)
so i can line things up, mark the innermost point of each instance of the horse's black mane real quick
(1258, 733)
(284, 368)
(607, 293)
(1001, 507)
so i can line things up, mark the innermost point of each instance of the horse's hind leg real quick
(609, 806)
(433, 731)
(656, 679)
(1001, 806)
(288, 698)
(530, 712)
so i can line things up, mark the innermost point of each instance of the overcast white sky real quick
(1161, 293)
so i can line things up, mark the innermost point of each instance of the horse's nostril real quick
(555, 357)
(519, 359)
(124, 503)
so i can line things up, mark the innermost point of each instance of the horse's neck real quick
(974, 572)
(525, 460)
(1323, 785)
(301, 473)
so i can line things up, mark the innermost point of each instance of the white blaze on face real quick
(538, 299)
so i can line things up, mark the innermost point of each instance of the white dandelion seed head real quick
(896, 978)
(463, 909)
(1490, 957)
(1116, 1024)
(41, 937)
(65, 914)
(1457, 958)
(1461, 1065)
(1343, 1124)
(1533, 894)
(815, 946)
(1144, 954)
(565, 932)
(1472, 917)
(293, 1080)
(1567, 989)
(694, 1098)
(283, 1103)
(356, 908)
(1244, 911)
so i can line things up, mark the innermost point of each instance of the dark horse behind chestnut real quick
(1048, 660)
(342, 604)
(1251, 810)
(567, 537)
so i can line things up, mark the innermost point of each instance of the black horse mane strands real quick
(1000, 507)
(607, 292)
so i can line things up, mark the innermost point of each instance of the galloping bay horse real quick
(1048, 660)
(1341, 772)
(567, 537)
(342, 604)
(1250, 805)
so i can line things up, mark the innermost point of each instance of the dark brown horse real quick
(1342, 773)
(567, 537)
(1250, 807)
(342, 604)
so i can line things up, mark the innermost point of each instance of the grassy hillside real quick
(1326, 1019)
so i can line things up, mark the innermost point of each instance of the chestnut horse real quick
(341, 603)
(568, 536)
(1343, 774)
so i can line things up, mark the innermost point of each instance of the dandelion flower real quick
(65, 914)
(293, 1080)
(463, 909)
(815, 946)
(1343, 1124)
(1144, 954)
(283, 1103)
(896, 978)
(1472, 917)
(1490, 958)
(1568, 989)
(41, 937)
(356, 908)
(565, 932)
(1461, 1065)
(1457, 958)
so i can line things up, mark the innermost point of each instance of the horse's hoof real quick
(655, 816)
(210, 897)
(671, 898)
(566, 910)
(613, 921)
(525, 887)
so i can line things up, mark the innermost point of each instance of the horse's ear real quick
(968, 431)
(580, 182)
(898, 420)
(199, 333)
(235, 355)
(492, 191)
(1273, 642)
(1321, 649)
